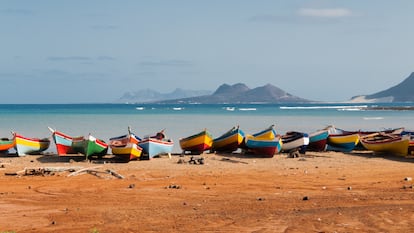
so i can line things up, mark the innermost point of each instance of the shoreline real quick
(320, 191)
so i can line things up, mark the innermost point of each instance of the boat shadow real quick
(53, 158)
(250, 156)
(60, 159)
(6, 154)
(239, 157)
(387, 156)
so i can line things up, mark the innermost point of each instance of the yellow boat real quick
(387, 143)
(229, 141)
(266, 134)
(341, 140)
(25, 146)
(130, 151)
(197, 143)
(126, 146)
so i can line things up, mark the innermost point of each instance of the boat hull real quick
(153, 147)
(318, 141)
(262, 147)
(26, 146)
(126, 147)
(90, 146)
(295, 141)
(128, 152)
(198, 143)
(229, 141)
(397, 145)
(6, 144)
(63, 143)
(267, 134)
(342, 142)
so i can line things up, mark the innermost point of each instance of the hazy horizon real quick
(95, 51)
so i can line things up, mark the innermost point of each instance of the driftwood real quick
(41, 171)
(83, 170)
(114, 173)
(95, 172)
(232, 160)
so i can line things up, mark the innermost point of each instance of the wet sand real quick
(319, 192)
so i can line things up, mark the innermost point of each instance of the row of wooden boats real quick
(126, 147)
(265, 143)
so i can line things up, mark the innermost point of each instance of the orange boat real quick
(6, 144)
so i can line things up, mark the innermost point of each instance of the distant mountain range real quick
(148, 95)
(403, 92)
(237, 93)
(240, 93)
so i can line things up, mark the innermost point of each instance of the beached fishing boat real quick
(363, 133)
(126, 146)
(156, 145)
(318, 140)
(130, 151)
(63, 142)
(90, 146)
(197, 143)
(387, 143)
(295, 141)
(411, 143)
(341, 140)
(268, 133)
(26, 146)
(263, 147)
(6, 144)
(229, 141)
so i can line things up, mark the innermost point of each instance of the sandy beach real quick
(319, 192)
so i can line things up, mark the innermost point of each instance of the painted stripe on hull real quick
(197, 143)
(25, 146)
(127, 153)
(228, 143)
(154, 147)
(63, 145)
(199, 149)
(26, 150)
(344, 147)
(6, 144)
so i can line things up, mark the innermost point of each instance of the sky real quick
(93, 51)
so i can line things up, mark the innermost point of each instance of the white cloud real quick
(325, 13)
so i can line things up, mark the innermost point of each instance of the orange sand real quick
(231, 193)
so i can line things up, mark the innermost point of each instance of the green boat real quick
(90, 146)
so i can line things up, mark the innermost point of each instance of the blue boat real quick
(263, 147)
(341, 140)
(156, 145)
(318, 140)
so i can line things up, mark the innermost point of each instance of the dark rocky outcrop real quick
(403, 92)
(240, 93)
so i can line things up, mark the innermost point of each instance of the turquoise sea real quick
(108, 120)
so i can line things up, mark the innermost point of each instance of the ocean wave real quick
(351, 109)
(229, 108)
(373, 118)
(346, 107)
(247, 109)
